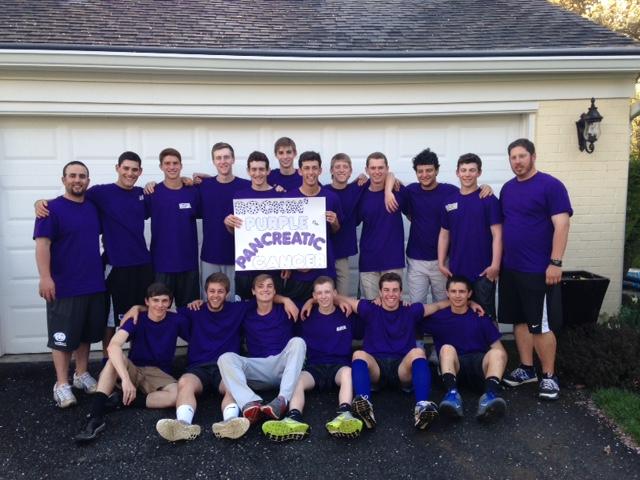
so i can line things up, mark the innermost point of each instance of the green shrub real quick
(632, 229)
(599, 355)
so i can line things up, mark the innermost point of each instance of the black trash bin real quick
(582, 296)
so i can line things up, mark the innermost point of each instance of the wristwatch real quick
(555, 262)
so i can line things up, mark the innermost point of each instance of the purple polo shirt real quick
(214, 333)
(74, 231)
(467, 332)
(288, 182)
(382, 237)
(469, 219)
(174, 235)
(328, 337)
(268, 334)
(250, 193)
(217, 202)
(345, 241)
(389, 334)
(425, 210)
(333, 205)
(122, 213)
(153, 344)
(527, 233)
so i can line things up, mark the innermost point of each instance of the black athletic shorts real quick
(208, 374)
(324, 375)
(471, 374)
(388, 373)
(128, 287)
(75, 320)
(526, 298)
(184, 285)
(484, 293)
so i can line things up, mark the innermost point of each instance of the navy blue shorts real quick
(208, 374)
(324, 375)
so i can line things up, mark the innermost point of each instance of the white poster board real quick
(281, 233)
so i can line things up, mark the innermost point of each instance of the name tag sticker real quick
(183, 206)
(451, 206)
(341, 328)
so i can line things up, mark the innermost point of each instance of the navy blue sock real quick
(492, 384)
(295, 414)
(421, 379)
(361, 380)
(344, 407)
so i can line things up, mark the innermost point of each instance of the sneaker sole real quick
(253, 413)
(363, 409)
(280, 432)
(68, 404)
(349, 428)
(449, 411)
(174, 431)
(492, 412)
(270, 413)
(232, 429)
(515, 383)
(425, 419)
(86, 439)
(549, 396)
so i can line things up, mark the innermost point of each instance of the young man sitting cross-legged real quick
(389, 356)
(276, 358)
(470, 351)
(145, 374)
(328, 334)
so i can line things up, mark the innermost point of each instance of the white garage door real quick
(33, 151)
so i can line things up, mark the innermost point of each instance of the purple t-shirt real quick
(382, 237)
(214, 333)
(267, 334)
(153, 344)
(174, 235)
(217, 202)
(332, 203)
(328, 337)
(527, 233)
(425, 210)
(389, 334)
(74, 231)
(345, 241)
(469, 219)
(288, 182)
(250, 193)
(467, 332)
(122, 214)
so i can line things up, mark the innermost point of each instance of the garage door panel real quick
(23, 143)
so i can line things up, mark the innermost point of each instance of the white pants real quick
(423, 278)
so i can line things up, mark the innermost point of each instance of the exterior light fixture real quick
(589, 128)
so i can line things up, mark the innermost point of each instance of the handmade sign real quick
(281, 233)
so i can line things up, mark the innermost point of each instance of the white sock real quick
(230, 411)
(184, 413)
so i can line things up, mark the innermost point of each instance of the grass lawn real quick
(623, 407)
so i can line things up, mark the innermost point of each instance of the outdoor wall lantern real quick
(589, 128)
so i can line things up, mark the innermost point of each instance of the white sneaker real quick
(174, 430)
(85, 382)
(232, 428)
(63, 396)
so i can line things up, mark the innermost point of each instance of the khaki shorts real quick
(148, 379)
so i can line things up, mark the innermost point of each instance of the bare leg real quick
(374, 369)
(164, 398)
(305, 382)
(82, 358)
(343, 380)
(188, 387)
(107, 379)
(494, 363)
(61, 361)
(404, 369)
(449, 360)
(524, 342)
(545, 345)
(109, 332)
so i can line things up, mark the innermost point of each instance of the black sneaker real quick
(91, 429)
(549, 388)
(114, 402)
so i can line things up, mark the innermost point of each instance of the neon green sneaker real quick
(344, 425)
(285, 429)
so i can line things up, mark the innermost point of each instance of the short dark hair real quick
(74, 162)
(377, 155)
(323, 279)
(309, 157)
(257, 156)
(469, 158)
(158, 288)
(220, 146)
(170, 151)
(524, 143)
(284, 142)
(426, 157)
(132, 156)
(389, 277)
(459, 279)
(261, 278)
(217, 277)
